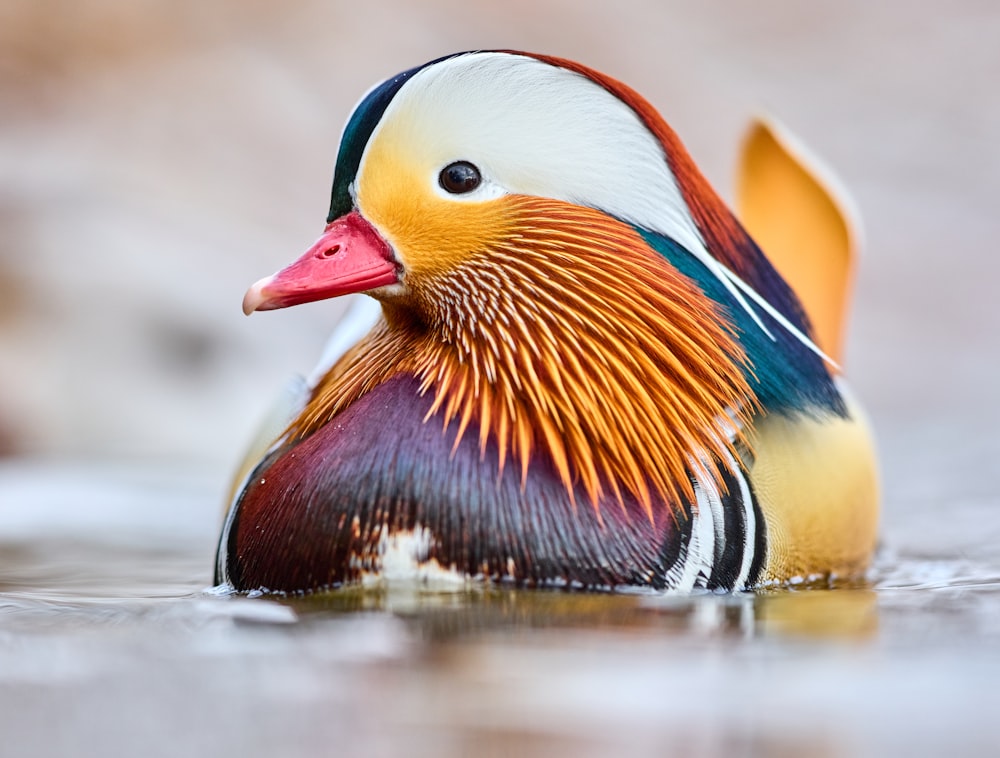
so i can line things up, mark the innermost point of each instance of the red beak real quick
(350, 257)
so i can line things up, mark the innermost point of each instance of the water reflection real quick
(828, 614)
(846, 613)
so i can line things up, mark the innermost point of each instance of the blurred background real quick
(157, 157)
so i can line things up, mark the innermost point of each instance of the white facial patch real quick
(536, 129)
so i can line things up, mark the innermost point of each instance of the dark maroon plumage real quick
(313, 513)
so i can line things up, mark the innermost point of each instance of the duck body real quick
(584, 372)
(376, 479)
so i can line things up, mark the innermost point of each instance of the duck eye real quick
(459, 177)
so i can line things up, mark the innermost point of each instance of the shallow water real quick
(113, 643)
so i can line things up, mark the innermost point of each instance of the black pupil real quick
(459, 177)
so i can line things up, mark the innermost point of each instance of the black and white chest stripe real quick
(723, 543)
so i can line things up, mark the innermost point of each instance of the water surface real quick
(112, 642)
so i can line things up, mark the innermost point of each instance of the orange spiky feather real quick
(619, 372)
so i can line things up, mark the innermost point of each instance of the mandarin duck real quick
(574, 368)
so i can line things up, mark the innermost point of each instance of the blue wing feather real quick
(785, 374)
